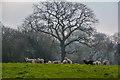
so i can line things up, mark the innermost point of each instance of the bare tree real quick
(68, 22)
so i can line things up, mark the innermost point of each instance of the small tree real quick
(68, 22)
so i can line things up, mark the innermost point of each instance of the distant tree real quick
(104, 47)
(115, 38)
(99, 50)
(41, 45)
(62, 20)
(13, 45)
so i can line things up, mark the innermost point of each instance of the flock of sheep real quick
(38, 60)
(66, 61)
(105, 62)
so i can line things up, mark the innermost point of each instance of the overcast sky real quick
(13, 13)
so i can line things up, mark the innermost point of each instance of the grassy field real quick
(29, 70)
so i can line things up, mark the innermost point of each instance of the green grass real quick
(29, 70)
(0, 71)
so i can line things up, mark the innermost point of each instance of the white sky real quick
(13, 13)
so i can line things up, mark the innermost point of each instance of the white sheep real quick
(106, 62)
(49, 61)
(96, 63)
(68, 60)
(56, 62)
(65, 62)
(99, 63)
(30, 60)
(34, 61)
(40, 60)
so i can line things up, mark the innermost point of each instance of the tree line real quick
(16, 45)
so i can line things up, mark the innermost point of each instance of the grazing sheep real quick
(56, 62)
(106, 62)
(88, 62)
(94, 63)
(34, 61)
(49, 61)
(97, 63)
(30, 60)
(65, 62)
(40, 60)
(68, 60)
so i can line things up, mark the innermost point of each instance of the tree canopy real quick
(68, 22)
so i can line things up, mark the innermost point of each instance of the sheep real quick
(99, 63)
(49, 61)
(56, 62)
(68, 60)
(106, 62)
(96, 63)
(88, 62)
(30, 60)
(34, 61)
(40, 60)
(65, 62)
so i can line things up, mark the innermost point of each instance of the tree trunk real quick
(63, 54)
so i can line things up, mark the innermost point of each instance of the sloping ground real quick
(29, 70)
